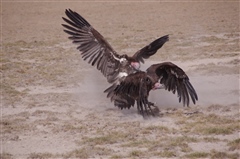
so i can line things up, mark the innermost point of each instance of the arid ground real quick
(52, 102)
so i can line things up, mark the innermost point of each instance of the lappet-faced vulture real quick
(136, 87)
(98, 52)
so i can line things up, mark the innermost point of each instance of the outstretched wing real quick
(94, 48)
(150, 49)
(174, 79)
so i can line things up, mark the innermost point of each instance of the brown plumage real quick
(98, 52)
(163, 75)
(128, 83)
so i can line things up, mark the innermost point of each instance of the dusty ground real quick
(52, 105)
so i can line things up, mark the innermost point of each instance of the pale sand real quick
(53, 105)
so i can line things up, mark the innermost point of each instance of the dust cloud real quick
(211, 89)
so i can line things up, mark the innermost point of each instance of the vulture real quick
(98, 52)
(136, 87)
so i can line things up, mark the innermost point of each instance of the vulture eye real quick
(148, 80)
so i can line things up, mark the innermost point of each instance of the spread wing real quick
(174, 79)
(94, 48)
(150, 49)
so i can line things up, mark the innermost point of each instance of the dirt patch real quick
(53, 105)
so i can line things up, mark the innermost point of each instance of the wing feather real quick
(150, 49)
(192, 91)
(130, 84)
(94, 48)
(135, 87)
(174, 79)
(96, 60)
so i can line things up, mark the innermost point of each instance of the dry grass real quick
(40, 65)
(88, 152)
(10, 95)
(27, 66)
(116, 156)
(137, 153)
(165, 153)
(140, 143)
(6, 156)
(234, 145)
(14, 125)
(111, 138)
(197, 155)
(217, 129)
(216, 155)
(156, 129)
(211, 139)
(154, 140)
(172, 143)
(213, 154)
(209, 124)
(41, 156)
(68, 127)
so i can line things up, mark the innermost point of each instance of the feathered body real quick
(129, 84)
(163, 75)
(98, 52)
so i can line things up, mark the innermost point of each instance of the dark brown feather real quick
(138, 85)
(98, 52)
(95, 49)
(150, 49)
(175, 79)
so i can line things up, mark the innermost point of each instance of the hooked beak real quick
(158, 86)
(135, 65)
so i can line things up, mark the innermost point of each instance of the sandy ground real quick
(52, 102)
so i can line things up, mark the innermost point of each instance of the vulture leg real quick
(147, 106)
(153, 108)
(140, 107)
